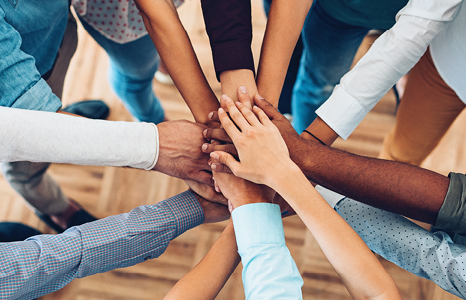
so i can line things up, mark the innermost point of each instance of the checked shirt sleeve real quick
(45, 263)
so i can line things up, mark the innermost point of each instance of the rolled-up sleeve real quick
(391, 56)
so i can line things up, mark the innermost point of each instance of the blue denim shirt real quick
(30, 35)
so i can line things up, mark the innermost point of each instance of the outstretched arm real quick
(175, 49)
(284, 25)
(264, 159)
(208, 277)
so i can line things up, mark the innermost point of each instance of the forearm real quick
(45, 263)
(50, 137)
(359, 269)
(284, 25)
(411, 247)
(397, 187)
(208, 277)
(321, 131)
(175, 49)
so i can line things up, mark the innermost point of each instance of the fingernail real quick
(260, 97)
(226, 98)
(204, 147)
(285, 212)
(230, 206)
(210, 163)
(217, 189)
(214, 167)
(238, 103)
(204, 133)
(214, 155)
(243, 89)
(210, 115)
(220, 110)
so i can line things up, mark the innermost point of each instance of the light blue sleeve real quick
(269, 271)
(429, 255)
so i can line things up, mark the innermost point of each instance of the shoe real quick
(80, 217)
(92, 109)
(15, 232)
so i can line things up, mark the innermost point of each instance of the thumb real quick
(226, 159)
(268, 108)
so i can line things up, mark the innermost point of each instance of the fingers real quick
(221, 168)
(244, 98)
(235, 114)
(218, 134)
(228, 148)
(228, 160)
(264, 119)
(248, 114)
(228, 124)
(213, 116)
(268, 108)
(205, 177)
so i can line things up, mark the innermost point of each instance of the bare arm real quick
(284, 25)
(175, 49)
(393, 186)
(208, 277)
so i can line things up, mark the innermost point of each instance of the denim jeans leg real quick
(329, 49)
(131, 71)
(30, 179)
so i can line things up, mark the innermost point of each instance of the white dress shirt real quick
(392, 55)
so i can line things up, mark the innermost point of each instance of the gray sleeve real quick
(452, 214)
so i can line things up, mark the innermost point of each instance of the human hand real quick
(285, 208)
(206, 191)
(180, 152)
(213, 212)
(239, 191)
(262, 152)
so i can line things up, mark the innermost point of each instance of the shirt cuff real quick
(257, 223)
(331, 197)
(157, 147)
(38, 97)
(235, 55)
(186, 210)
(342, 112)
(452, 214)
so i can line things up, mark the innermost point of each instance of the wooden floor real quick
(105, 191)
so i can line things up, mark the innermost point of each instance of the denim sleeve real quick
(46, 263)
(269, 271)
(452, 214)
(429, 255)
(21, 85)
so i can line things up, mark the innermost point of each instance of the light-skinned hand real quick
(262, 152)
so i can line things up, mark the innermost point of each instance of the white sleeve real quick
(392, 55)
(39, 136)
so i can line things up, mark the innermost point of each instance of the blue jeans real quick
(130, 74)
(329, 49)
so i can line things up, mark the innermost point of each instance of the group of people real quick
(241, 156)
